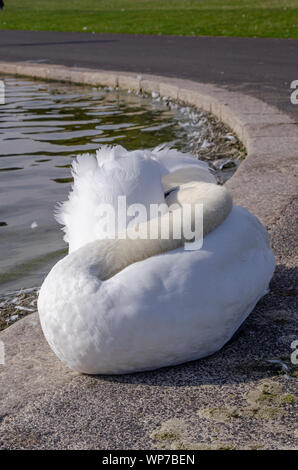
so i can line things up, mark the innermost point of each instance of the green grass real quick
(252, 18)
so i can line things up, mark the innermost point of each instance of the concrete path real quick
(261, 67)
(236, 398)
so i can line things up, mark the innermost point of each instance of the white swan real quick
(116, 305)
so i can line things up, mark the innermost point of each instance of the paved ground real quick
(261, 67)
(233, 399)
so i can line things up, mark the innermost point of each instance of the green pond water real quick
(43, 126)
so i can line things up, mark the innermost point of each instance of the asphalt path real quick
(260, 67)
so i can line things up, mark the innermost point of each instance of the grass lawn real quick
(250, 18)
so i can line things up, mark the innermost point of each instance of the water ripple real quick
(43, 126)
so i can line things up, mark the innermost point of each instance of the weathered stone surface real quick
(264, 187)
(57, 73)
(168, 90)
(77, 76)
(129, 82)
(32, 70)
(236, 398)
(100, 78)
(8, 67)
(45, 405)
(277, 146)
(282, 130)
(195, 98)
(150, 86)
(26, 353)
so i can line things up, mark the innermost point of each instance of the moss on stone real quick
(288, 398)
(266, 401)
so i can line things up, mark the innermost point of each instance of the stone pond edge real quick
(265, 181)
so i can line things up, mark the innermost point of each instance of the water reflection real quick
(42, 127)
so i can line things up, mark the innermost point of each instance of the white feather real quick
(118, 306)
(113, 172)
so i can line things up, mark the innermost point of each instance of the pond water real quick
(44, 125)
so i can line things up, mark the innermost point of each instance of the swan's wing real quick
(181, 167)
(170, 308)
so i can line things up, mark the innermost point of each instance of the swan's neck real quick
(109, 256)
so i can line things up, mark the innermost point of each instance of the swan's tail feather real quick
(84, 169)
(100, 179)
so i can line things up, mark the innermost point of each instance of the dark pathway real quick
(261, 67)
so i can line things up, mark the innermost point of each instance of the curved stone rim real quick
(265, 181)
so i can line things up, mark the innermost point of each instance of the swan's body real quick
(123, 305)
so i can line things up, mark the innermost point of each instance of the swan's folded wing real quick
(181, 168)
